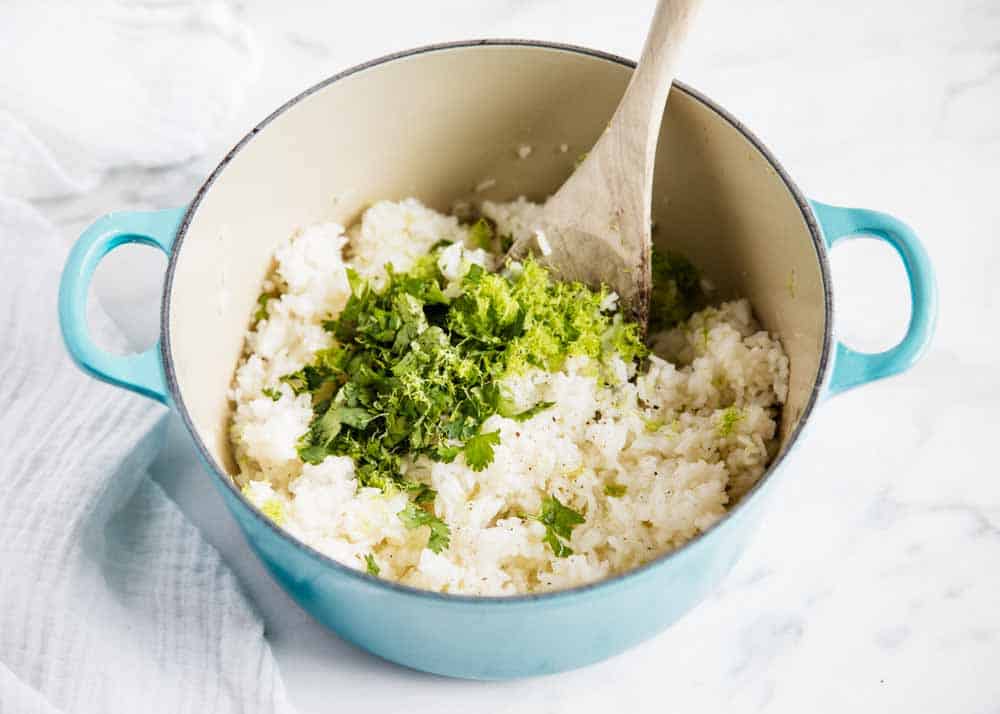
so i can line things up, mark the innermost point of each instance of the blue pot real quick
(434, 122)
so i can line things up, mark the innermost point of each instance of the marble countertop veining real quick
(874, 582)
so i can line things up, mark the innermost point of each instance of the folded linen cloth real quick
(110, 600)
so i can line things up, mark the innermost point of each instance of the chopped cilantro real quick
(422, 492)
(728, 420)
(527, 413)
(677, 292)
(413, 516)
(271, 393)
(479, 450)
(559, 522)
(415, 372)
(440, 244)
(615, 490)
(262, 302)
(481, 234)
(371, 566)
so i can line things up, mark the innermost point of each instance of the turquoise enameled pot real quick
(436, 123)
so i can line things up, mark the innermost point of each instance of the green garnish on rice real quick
(415, 372)
(271, 393)
(413, 516)
(506, 411)
(478, 450)
(441, 397)
(559, 522)
(262, 302)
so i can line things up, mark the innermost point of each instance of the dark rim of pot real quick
(498, 600)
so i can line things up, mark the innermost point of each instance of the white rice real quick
(685, 439)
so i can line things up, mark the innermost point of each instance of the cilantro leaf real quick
(273, 394)
(446, 453)
(479, 450)
(414, 372)
(423, 492)
(312, 454)
(558, 517)
(262, 301)
(560, 549)
(413, 516)
(326, 428)
(353, 416)
(559, 522)
(371, 566)
(529, 412)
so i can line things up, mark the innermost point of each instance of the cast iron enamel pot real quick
(435, 123)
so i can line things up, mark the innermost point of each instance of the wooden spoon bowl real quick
(596, 227)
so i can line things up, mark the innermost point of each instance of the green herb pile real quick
(415, 372)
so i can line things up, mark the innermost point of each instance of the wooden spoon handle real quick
(632, 136)
(599, 219)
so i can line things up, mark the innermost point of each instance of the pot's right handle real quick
(852, 368)
(142, 373)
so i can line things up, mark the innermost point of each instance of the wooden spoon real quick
(596, 227)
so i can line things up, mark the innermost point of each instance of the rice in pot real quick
(630, 459)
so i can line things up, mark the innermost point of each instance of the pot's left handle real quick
(142, 373)
(850, 367)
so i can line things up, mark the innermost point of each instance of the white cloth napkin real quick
(110, 600)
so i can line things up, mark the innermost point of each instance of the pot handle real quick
(142, 373)
(852, 368)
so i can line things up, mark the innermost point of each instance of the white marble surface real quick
(875, 582)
